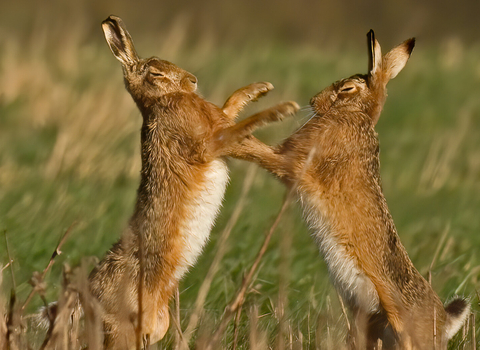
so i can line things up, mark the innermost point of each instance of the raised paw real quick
(257, 90)
(244, 95)
(272, 114)
(283, 110)
(225, 140)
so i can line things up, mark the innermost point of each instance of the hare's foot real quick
(244, 95)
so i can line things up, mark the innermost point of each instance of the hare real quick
(183, 178)
(332, 163)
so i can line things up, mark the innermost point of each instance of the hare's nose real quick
(191, 81)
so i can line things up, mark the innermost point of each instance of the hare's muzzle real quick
(322, 101)
(189, 82)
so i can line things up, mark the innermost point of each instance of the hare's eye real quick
(156, 74)
(348, 88)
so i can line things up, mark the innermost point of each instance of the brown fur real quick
(182, 135)
(333, 163)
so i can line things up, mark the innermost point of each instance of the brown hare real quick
(183, 179)
(333, 164)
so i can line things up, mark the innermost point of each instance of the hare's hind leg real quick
(372, 332)
(244, 95)
(379, 331)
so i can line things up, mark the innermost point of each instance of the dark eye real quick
(348, 88)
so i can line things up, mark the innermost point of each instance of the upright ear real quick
(120, 41)
(374, 54)
(395, 59)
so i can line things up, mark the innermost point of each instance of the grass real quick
(69, 152)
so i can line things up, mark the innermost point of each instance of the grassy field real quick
(69, 152)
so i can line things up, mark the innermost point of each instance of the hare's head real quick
(144, 78)
(366, 92)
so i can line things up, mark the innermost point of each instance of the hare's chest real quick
(202, 213)
(350, 281)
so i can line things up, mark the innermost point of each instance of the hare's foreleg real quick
(253, 150)
(226, 140)
(239, 131)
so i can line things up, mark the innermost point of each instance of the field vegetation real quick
(69, 154)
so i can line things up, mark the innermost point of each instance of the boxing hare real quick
(183, 179)
(333, 164)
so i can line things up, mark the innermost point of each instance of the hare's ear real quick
(120, 41)
(396, 58)
(374, 54)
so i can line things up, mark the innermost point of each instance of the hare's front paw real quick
(244, 95)
(256, 90)
(285, 109)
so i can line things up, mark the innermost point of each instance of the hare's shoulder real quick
(194, 105)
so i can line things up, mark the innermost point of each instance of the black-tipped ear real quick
(119, 41)
(371, 54)
(374, 53)
(396, 58)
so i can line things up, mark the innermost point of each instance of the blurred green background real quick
(69, 134)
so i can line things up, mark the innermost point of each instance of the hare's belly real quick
(352, 283)
(203, 212)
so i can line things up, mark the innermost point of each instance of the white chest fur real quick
(352, 284)
(202, 214)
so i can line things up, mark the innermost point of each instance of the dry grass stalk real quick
(65, 330)
(344, 312)
(6, 266)
(236, 327)
(57, 334)
(465, 328)
(175, 317)
(284, 275)
(14, 326)
(474, 338)
(238, 300)
(10, 260)
(443, 152)
(437, 252)
(257, 337)
(3, 323)
(254, 334)
(298, 344)
(39, 279)
(92, 311)
(329, 333)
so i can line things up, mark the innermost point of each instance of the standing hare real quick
(183, 179)
(332, 163)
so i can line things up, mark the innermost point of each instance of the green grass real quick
(69, 152)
